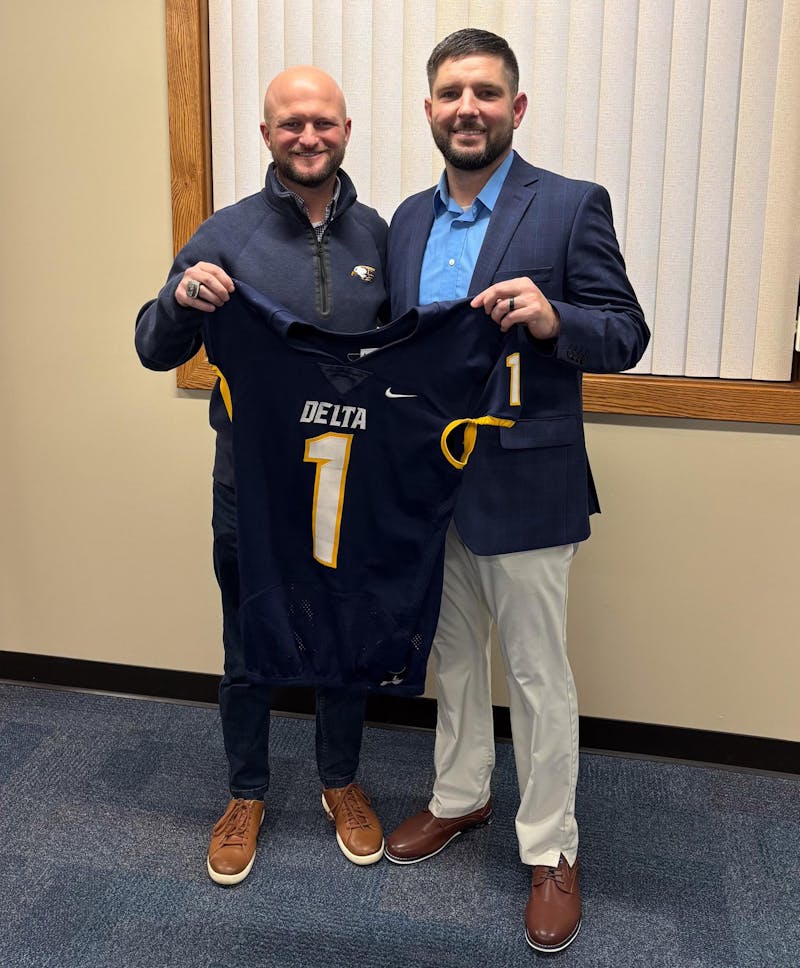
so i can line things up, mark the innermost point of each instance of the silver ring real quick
(192, 288)
(511, 304)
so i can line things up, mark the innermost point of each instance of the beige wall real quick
(106, 489)
(682, 604)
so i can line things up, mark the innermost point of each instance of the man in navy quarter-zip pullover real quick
(308, 243)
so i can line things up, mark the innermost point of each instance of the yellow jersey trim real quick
(225, 390)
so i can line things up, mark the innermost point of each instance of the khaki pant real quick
(525, 595)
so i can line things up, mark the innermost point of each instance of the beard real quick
(473, 159)
(287, 168)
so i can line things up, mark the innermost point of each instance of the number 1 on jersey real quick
(331, 453)
(512, 362)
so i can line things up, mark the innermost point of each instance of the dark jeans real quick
(245, 705)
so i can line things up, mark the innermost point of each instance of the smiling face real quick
(472, 112)
(305, 127)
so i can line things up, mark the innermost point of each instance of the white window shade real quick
(688, 111)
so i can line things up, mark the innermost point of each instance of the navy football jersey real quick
(348, 450)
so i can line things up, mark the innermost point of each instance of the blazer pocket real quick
(541, 275)
(544, 432)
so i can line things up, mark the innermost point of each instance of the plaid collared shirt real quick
(330, 208)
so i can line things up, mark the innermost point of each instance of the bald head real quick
(304, 83)
(307, 129)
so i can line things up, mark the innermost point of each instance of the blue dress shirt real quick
(456, 238)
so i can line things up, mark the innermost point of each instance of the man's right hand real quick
(215, 287)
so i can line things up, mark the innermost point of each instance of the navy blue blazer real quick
(530, 486)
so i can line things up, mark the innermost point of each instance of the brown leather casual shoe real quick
(553, 912)
(424, 835)
(358, 830)
(233, 841)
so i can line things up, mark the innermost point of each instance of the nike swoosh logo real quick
(396, 396)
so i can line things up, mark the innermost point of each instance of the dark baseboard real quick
(606, 735)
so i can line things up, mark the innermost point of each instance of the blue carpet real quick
(107, 804)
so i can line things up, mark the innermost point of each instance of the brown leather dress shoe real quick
(553, 912)
(424, 835)
(233, 841)
(358, 830)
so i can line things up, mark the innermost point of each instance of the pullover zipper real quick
(325, 301)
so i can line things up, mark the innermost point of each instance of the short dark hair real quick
(468, 41)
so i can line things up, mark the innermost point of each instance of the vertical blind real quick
(688, 111)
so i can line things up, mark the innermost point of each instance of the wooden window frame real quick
(190, 165)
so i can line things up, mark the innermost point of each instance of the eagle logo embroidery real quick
(364, 273)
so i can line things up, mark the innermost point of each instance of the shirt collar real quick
(487, 196)
(330, 208)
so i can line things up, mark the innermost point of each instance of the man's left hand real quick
(519, 302)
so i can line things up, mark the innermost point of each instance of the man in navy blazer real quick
(538, 252)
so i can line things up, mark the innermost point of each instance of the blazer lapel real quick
(516, 196)
(418, 226)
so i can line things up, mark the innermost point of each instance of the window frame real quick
(190, 167)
